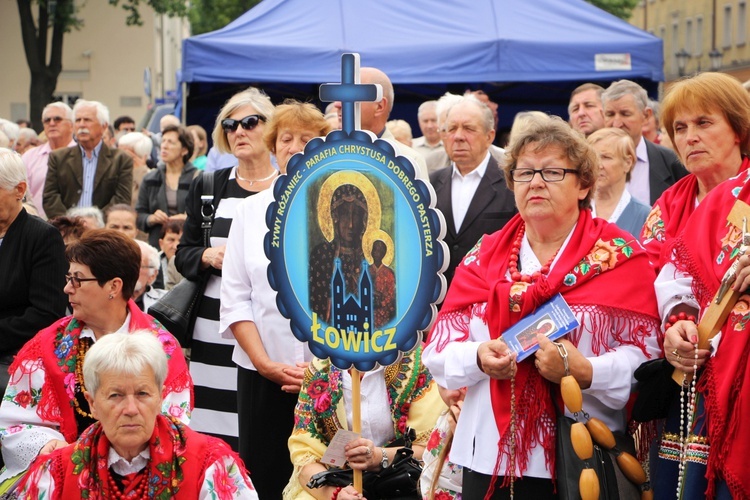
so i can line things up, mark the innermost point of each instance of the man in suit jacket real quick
(471, 193)
(626, 106)
(91, 173)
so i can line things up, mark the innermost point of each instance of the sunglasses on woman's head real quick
(248, 123)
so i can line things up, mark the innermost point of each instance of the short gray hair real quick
(126, 354)
(621, 88)
(12, 169)
(102, 113)
(88, 212)
(27, 133)
(488, 119)
(140, 142)
(444, 104)
(249, 97)
(151, 253)
(10, 129)
(654, 105)
(62, 106)
(427, 106)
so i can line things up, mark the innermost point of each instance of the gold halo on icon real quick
(372, 237)
(325, 222)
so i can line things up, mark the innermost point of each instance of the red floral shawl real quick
(601, 272)
(669, 216)
(55, 349)
(176, 469)
(705, 250)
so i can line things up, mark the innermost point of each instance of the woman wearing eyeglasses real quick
(552, 246)
(270, 359)
(44, 407)
(239, 130)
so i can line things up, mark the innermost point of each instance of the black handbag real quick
(612, 482)
(178, 308)
(397, 481)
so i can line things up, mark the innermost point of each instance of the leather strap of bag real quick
(207, 207)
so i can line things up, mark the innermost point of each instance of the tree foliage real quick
(43, 36)
(619, 8)
(210, 15)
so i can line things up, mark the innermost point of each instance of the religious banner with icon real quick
(354, 241)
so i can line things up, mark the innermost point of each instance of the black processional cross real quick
(350, 92)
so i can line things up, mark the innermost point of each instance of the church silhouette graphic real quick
(347, 313)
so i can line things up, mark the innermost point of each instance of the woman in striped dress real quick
(238, 130)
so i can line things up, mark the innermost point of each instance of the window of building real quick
(689, 41)
(698, 36)
(741, 23)
(727, 38)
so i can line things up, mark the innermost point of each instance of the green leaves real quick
(620, 8)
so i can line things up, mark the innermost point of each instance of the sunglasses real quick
(56, 119)
(248, 123)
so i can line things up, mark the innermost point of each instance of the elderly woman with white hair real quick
(145, 294)
(238, 130)
(32, 266)
(133, 450)
(138, 146)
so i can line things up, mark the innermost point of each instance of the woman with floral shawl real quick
(44, 407)
(134, 451)
(394, 398)
(553, 246)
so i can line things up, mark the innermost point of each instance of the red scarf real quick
(178, 461)
(669, 216)
(705, 250)
(55, 349)
(596, 249)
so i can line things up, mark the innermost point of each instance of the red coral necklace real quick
(515, 252)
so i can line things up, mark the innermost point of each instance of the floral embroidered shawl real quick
(178, 461)
(56, 350)
(670, 214)
(320, 412)
(600, 272)
(705, 250)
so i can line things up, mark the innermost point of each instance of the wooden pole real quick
(356, 421)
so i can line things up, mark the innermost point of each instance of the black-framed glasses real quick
(76, 281)
(548, 174)
(56, 119)
(248, 123)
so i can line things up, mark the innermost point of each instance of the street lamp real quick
(682, 59)
(715, 56)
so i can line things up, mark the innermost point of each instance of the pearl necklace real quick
(515, 253)
(686, 413)
(253, 181)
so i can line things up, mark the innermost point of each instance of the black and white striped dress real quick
(211, 366)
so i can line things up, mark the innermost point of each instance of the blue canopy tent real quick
(526, 54)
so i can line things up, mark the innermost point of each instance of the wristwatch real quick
(384, 460)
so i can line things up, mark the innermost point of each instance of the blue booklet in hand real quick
(553, 319)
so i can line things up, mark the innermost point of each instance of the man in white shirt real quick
(626, 106)
(471, 193)
(430, 140)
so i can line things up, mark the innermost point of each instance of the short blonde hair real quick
(623, 144)
(554, 132)
(296, 115)
(250, 97)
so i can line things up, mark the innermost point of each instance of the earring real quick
(111, 297)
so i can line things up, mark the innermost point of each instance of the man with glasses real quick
(91, 173)
(471, 193)
(58, 127)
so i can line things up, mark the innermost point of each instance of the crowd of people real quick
(642, 241)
